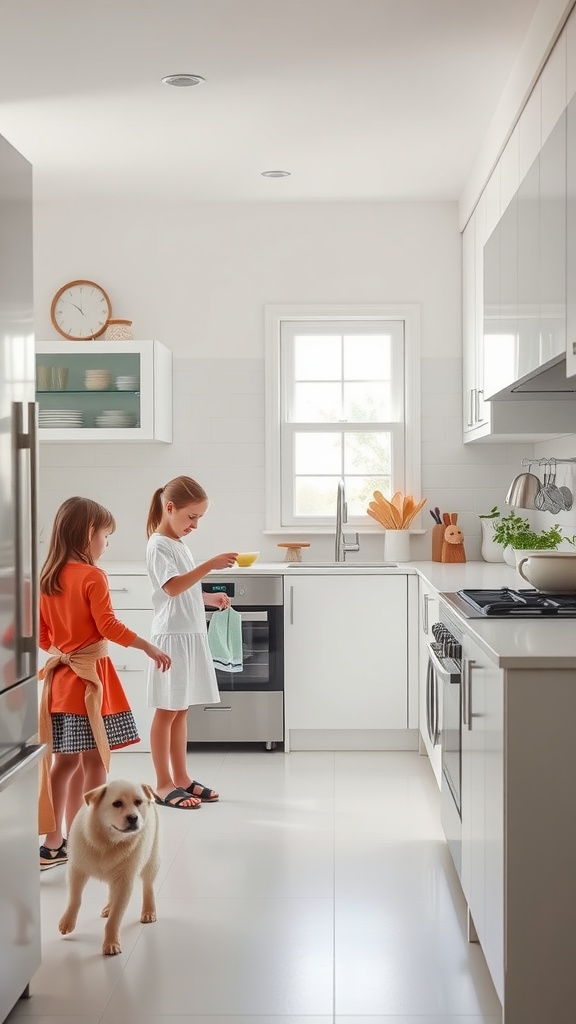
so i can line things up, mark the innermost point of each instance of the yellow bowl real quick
(247, 558)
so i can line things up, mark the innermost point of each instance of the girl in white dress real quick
(179, 629)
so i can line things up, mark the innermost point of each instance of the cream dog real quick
(114, 837)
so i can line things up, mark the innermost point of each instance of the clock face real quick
(80, 310)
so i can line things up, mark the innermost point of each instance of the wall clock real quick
(80, 310)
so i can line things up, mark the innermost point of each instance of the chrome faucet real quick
(342, 547)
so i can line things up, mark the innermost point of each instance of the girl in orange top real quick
(76, 613)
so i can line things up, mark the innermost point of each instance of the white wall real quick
(197, 277)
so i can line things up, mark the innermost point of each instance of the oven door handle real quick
(245, 616)
(445, 673)
(429, 699)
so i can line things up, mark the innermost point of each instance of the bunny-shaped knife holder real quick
(453, 540)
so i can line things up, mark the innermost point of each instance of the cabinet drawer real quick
(239, 718)
(130, 591)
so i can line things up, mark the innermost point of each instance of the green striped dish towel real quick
(225, 640)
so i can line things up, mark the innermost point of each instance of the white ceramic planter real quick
(490, 550)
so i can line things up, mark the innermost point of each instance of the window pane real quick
(315, 496)
(367, 357)
(317, 403)
(360, 492)
(365, 402)
(317, 453)
(367, 453)
(317, 358)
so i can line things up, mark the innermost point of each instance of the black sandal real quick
(207, 796)
(50, 858)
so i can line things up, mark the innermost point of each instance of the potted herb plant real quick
(514, 533)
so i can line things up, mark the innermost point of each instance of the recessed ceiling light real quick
(183, 81)
(276, 174)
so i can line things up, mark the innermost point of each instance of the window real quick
(340, 405)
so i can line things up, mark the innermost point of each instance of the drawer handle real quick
(118, 590)
(225, 708)
(124, 668)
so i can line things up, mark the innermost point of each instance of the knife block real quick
(437, 541)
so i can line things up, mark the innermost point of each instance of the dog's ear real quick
(95, 794)
(149, 792)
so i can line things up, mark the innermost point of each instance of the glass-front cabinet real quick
(104, 391)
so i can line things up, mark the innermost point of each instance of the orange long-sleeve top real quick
(79, 616)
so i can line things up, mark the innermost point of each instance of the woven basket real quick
(118, 330)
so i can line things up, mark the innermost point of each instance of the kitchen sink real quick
(342, 565)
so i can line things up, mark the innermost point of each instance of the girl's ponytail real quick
(155, 512)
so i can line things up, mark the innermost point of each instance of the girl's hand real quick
(160, 658)
(220, 601)
(223, 561)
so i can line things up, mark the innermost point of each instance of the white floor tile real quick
(318, 890)
(232, 956)
(281, 862)
(391, 961)
(203, 1018)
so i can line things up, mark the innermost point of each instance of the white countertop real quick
(517, 644)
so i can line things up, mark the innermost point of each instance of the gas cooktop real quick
(518, 604)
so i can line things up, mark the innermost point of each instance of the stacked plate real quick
(97, 380)
(57, 418)
(115, 418)
(129, 382)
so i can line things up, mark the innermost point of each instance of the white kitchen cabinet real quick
(131, 597)
(346, 662)
(429, 691)
(483, 803)
(147, 404)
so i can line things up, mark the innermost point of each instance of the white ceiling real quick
(359, 99)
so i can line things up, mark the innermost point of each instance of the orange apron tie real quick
(83, 663)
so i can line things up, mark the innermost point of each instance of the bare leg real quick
(94, 770)
(63, 768)
(178, 743)
(177, 755)
(161, 749)
(76, 790)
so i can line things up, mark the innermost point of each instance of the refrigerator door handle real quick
(31, 755)
(26, 628)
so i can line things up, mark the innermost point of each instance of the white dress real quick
(179, 629)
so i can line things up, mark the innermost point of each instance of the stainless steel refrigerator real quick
(19, 750)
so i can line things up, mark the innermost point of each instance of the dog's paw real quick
(105, 911)
(111, 948)
(149, 917)
(66, 924)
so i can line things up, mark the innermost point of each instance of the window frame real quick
(275, 316)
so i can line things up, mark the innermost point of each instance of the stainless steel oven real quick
(445, 662)
(251, 708)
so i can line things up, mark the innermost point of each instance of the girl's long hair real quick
(181, 491)
(75, 521)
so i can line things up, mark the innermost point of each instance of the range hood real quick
(548, 380)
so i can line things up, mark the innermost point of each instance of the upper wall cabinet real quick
(104, 391)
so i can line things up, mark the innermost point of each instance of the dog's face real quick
(120, 807)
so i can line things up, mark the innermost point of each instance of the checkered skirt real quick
(72, 734)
